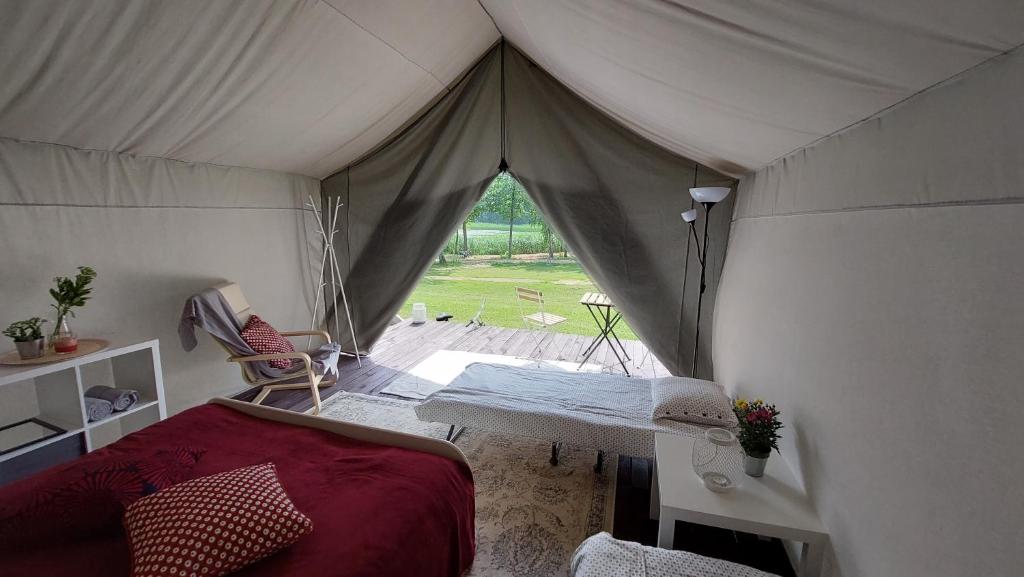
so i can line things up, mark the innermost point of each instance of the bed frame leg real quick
(555, 447)
(453, 434)
(600, 462)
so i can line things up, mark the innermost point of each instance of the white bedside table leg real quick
(811, 559)
(655, 496)
(666, 531)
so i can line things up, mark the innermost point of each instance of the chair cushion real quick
(691, 401)
(213, 525)
(264, 339)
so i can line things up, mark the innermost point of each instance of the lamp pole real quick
(709, 197)
(703, 251)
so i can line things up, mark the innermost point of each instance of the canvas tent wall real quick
(873, 289)
(156, 231)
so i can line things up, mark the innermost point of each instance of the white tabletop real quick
(117, 346)
(773, 505)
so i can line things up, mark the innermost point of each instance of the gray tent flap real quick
(616, 199)
(403, 201)
(612, 195)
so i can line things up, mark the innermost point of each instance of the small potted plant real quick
(70, 293)
(759, 433)
(28, 337)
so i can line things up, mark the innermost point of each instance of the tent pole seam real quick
(493, 21)
(901, 206)
(397, 133)
(878, 113)
(157, 157)
(140, 206)
(386, 43)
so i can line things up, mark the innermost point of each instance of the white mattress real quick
(599, 411)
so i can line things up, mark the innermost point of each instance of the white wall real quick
(874, 289)
(156, 231)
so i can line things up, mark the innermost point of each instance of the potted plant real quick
(28, 337)
(759, 433)
(70, 293)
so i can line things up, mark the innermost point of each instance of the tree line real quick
(507, 197)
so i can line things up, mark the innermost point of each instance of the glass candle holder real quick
(718, 460)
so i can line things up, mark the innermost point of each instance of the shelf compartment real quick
(101, 433)
(139, 406)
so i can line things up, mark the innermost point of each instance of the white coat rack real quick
(335, 272)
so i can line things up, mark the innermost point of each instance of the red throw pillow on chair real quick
(264, 339)
(213, 525)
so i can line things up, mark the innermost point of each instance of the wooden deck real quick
(405, 345)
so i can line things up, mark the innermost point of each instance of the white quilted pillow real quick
(691, 401)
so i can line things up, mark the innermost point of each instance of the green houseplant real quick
(759, 433)
(28, 337)
(69, 294)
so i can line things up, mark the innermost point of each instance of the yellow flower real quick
(742, 404)
(758, 401)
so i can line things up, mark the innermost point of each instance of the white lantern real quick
(718, 460)
(419, 313)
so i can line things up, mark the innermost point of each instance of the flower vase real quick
(63, 340)
(754, 465)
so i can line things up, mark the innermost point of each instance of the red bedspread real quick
(377, 511)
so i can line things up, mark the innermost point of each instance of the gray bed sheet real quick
(593, 410)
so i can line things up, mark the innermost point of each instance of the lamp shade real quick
(690, 215)
(710, 194)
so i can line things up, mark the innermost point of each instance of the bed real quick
(381, 501)
(603, 412)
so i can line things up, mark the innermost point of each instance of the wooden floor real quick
(404, 346)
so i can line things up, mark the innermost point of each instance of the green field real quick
(457, 288)
(503, 227)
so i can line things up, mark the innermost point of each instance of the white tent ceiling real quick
(308, 86)
(302, 86)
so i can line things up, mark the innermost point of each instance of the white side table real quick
(773, 505)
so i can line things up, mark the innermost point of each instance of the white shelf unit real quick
(59, 391)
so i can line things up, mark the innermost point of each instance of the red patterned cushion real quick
(213, 525)
(264, 339)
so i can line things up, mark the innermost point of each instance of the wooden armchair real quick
(297, 378)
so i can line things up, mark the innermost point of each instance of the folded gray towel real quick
(97, 409)
(121, 399)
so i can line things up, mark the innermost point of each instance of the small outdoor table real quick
(606, 317)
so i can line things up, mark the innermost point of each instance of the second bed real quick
(598, 411)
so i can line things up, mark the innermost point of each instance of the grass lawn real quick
(457, 288)
(492, 239)
(480, 230)
(504, 227)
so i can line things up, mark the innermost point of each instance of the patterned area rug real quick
(530, 516)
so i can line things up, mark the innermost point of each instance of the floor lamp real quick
(709, 196)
